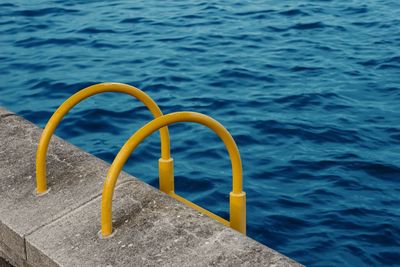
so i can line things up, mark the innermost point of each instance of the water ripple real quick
(310, 90)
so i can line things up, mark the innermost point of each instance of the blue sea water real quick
(310, 90)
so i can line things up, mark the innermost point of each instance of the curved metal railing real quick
(237, 196)
(165, 162)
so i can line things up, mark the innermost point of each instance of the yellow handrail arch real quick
(237, 197)
(165, 162)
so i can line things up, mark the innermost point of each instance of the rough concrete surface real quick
(4, 263)
(74, 178)
(61, 228)
(9, 256)
(8, 259)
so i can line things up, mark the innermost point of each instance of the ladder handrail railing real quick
(165, 162)
(237, 196)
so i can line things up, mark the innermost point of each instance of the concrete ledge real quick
(8, 258)
(74, 178)
(61, 228)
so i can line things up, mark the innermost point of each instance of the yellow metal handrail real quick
(165, 162)
(237, 197)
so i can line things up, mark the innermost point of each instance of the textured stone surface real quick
(150, 229)
(61, 227)
(4, 263)
(9, 259)
(74, 178)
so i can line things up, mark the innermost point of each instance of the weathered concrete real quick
(6, 259)
(61, 228)
(4, 263)
(74, 178)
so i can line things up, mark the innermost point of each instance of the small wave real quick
(7, 5)
(367, 24)
(308, 26)
(356, 10)
(293, 12)
(135, 20)
(34, 42)
(304, 131)
(255, 12)
(304, 68)
(291, 203)
(193, 185)
(94, 30)
(310, 100)
(45, 12)
(102, 44)
(173, 39)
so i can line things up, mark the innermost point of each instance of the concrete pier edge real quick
(61, 228)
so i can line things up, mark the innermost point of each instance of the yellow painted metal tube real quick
(41, 184)
(237, 196)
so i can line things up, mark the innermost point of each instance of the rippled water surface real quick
(310, 90)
